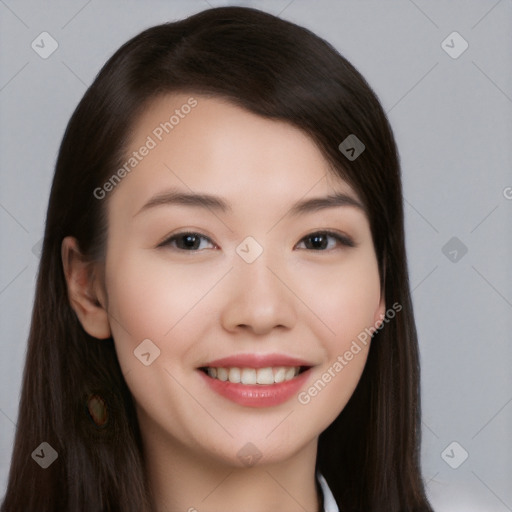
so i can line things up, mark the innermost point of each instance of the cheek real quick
(331, 389)
(151, 299)
(148, 296)
(344, 299)
(139, 297)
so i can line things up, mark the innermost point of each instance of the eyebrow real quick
(211, 202)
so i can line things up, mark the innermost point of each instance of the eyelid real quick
(169, 238)
(341, 237)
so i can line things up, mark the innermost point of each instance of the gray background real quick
(453, 124)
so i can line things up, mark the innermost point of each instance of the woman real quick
(222, 317)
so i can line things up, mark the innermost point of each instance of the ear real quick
(85, 290)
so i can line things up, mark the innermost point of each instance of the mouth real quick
(248, 376)
(258, 385)
(256, 379)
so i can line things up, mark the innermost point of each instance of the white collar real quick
(329, 501)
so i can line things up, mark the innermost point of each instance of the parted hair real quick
(370, 454)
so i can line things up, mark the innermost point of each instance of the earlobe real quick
(85, 290)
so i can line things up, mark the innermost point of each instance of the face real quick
(244, 284)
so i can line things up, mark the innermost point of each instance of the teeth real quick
(222, 374)
(279, 374)
(234, 375)
(248, 376)
(290, 373)
(267, 375)
(264, 376)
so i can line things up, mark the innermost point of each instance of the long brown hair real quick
(370, 454)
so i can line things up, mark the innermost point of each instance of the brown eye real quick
(320, 240)
(186, 241)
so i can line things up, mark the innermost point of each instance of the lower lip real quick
(257, 395)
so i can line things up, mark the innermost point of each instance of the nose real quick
(258, 298)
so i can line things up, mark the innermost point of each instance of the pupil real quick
(318, 241)
(190, 241)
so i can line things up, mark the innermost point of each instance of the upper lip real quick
(257, 361)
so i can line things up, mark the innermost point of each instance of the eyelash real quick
(342, 239)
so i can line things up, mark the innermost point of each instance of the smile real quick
(250, 393)
(250, 376)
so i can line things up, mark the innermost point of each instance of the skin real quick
(200, 305)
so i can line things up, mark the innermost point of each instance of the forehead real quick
(208, 144)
